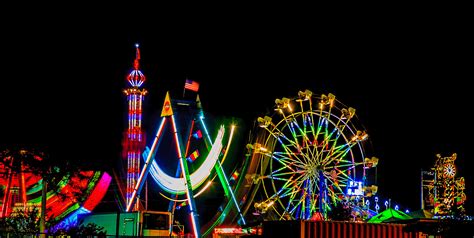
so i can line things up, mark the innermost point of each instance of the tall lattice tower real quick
(135, 138)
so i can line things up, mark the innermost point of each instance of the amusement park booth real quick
(138, 223)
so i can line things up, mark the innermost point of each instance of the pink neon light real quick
(98, 193)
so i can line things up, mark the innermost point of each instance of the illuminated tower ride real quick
(135, 140)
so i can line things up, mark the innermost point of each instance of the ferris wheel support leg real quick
(322, 193)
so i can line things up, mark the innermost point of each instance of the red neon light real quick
(98, 193)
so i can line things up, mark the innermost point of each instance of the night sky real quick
(406, 74)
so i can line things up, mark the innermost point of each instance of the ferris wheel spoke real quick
(310, 119)
(288, 160)
(290, 125)
(296, 203)
(302, 131)
(338, 166)
(325, 138)
(293, 123)
(284, 164)
(344, 178)
(279, 175)
(319, 125)
(278, 134)
(288, 192)
(281, 169)
(338, 155)
(304, 117)
(334, 183)
(328, 139)
(342, 175)
(281, 157)
(289, 152)
(300, 185)
(287, 183)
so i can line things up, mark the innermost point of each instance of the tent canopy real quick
(389, 215)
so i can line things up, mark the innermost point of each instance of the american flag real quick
(193, 156)
(198, 134)
(191, 85)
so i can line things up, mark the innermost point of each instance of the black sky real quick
(406, 73)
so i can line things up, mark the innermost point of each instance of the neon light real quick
(234, 230)
(208, 184)
(63, 201)
(189, 193)
(205, 129)
(178, 185)
(98, 193)
(70, 220)
(355, 188)
(134, 142)
(226, 181)
(146, 167)
(220, 170)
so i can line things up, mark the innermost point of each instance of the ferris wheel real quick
(312, 156)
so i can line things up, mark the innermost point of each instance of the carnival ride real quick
(303, 160)
(134, 140)
(309, 156)
(74, 194)
(181, 183)
(189, 180)
(444, 192)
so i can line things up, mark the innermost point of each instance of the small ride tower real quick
(134, 138)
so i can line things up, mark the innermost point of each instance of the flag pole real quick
(184, 88)
(421, 194)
